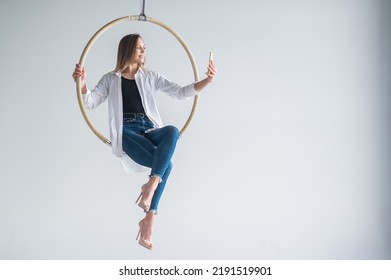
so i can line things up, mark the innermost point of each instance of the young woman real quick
(137, 134)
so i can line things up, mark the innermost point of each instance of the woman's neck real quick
(130, 72)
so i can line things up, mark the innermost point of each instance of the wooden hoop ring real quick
(92, 41)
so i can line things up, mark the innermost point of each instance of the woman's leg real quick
(165, 140)
(159, 190)
(154, 150)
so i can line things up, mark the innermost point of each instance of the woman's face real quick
(139, 53)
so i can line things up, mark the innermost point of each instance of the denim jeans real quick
(153, 149)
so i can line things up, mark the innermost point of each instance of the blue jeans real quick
(153, 149)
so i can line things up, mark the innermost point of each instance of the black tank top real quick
(131, 100)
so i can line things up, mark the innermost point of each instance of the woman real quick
(137, 134)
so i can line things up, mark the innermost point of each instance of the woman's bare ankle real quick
(153, 182)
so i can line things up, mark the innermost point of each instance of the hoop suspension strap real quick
(142, 16)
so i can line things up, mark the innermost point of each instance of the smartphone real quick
(210, 57)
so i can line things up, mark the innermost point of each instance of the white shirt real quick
(148, 83)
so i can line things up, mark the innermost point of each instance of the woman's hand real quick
(80, 72)
(211, 71)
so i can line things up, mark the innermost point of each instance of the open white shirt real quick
(148, 83)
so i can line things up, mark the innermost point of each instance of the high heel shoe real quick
(144, 204)
(143, 242)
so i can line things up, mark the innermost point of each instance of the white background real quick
(287, 157)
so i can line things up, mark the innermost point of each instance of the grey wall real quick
(287, 158)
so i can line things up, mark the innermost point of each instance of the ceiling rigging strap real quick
(142, 16)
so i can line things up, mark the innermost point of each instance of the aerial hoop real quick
(90, 43)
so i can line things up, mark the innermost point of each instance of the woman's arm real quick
(212, 70)
(98, 95)
(179, 91)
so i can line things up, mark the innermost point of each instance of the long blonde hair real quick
(126, 48)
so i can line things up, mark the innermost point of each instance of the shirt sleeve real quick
(98, 95)
(173, 89)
